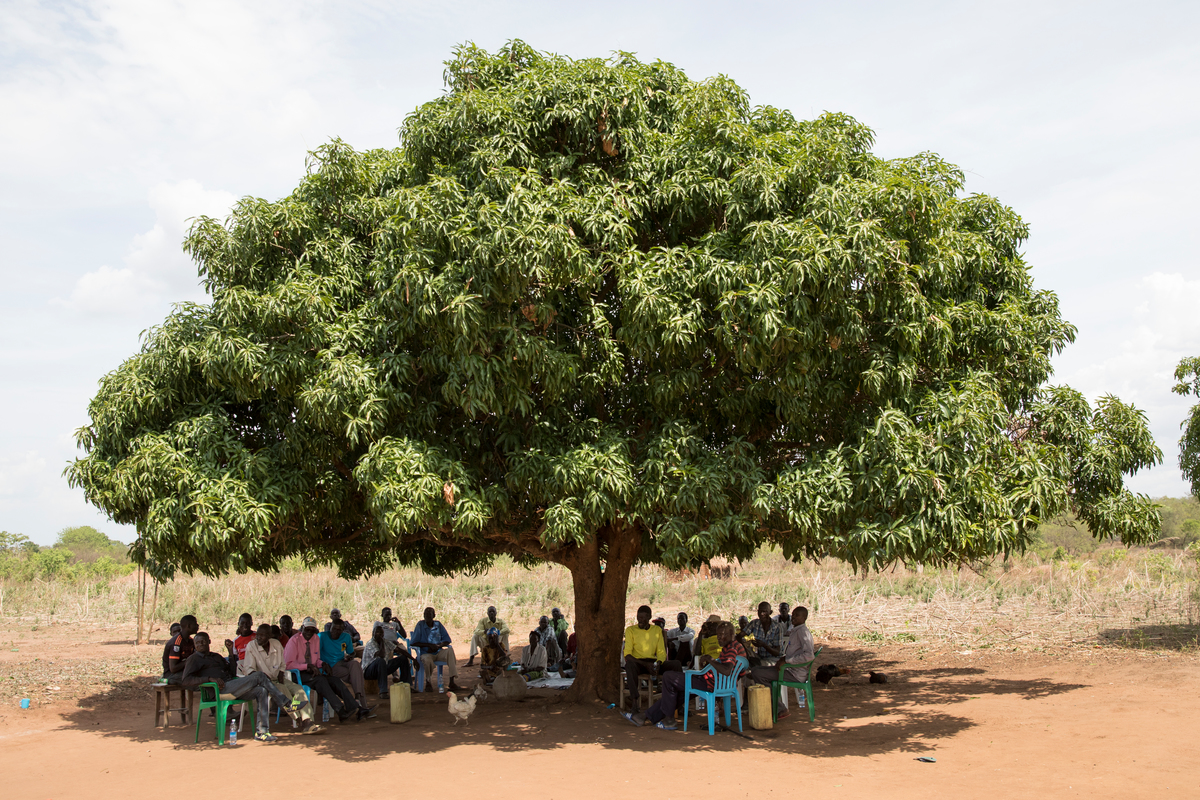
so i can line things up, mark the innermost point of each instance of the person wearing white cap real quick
(303, 652)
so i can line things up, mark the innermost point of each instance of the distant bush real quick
(100, 559)
(1180, 518)
(1112, 556)
(89, 545)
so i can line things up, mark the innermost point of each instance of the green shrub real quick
(1113, 556)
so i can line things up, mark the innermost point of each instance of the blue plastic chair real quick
(420, 666)
(725, 686)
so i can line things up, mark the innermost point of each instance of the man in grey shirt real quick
(799, 650)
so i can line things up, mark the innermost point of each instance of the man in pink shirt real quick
(303, 652)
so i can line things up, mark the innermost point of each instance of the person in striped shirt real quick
(662, 713)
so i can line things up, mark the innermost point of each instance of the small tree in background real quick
(1188, 375)
(595, 313)
(88, 544)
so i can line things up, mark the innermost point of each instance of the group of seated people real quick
(550, 647)
(650, 649)
(335, 663)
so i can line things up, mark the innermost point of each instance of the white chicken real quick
(461, 709)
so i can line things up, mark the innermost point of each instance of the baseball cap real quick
(309, 622)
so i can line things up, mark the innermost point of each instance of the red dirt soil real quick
(1089, 722)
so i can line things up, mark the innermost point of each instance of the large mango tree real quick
(595, 313)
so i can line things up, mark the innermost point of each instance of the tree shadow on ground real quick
(1153, 637)
(908, 714)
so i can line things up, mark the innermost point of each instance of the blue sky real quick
(123, 119)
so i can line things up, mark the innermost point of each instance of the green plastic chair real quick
(210, 697)
(806, 685)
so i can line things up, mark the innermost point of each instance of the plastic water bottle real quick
(232, 733)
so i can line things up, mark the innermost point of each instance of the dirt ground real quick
(1081, 721)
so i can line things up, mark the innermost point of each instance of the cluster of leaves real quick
(1188, 375)
(98, 557)
(593, 292)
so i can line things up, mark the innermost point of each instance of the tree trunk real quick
(141, 602)
(150, 616)
(600, 609)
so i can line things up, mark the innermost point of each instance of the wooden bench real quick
(649, 690)
(163, 707)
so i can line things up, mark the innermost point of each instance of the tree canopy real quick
(594, 311)
(1188, 376)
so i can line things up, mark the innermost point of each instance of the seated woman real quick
(533, 660)
(493, 658)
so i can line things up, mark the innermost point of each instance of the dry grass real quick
(1141, 598)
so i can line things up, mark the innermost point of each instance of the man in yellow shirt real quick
(645, 650)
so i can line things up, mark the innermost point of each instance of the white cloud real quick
(19, 476)
(36, 501)
(156, 270)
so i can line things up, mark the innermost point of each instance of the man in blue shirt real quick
(337, 650)
(433, 642)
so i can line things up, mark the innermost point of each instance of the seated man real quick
(380, 659)
(662, 713)
(286, 630)
(644, 651)
(206, 667)
(533, 660)
(549, 640)
(433, 642)
(493, 658)
(264, 654)
(479, 637)
(336, 616)
(394, 631)
(337, 652)
(799, 650)
(178, 648)
(784, 618)
(679, 641)
(244, 635)
(767, 636)
(303, 652)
